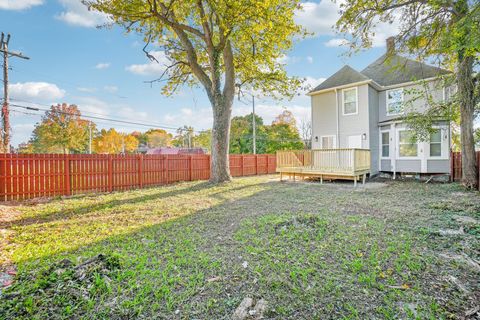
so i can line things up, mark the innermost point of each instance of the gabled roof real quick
(344, 76)
(388, 70)
(394, 69)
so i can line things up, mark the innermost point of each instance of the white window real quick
(385, 144)
(328, 142)
(436, 143)
(407, 145)
(449, 93)
(394, 102)
(350, 101)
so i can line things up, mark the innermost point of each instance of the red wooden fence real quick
(24, 176)
(456, 165)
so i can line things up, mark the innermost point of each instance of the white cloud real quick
(318, 18)
(36, 91)
(111, 89)
(19, 4)
(102, 65)
(311, 83)
(152, 67)
(93, 105)
(77, 14)
(310, 59)
(336, 42)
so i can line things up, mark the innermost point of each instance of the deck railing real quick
(326, 160)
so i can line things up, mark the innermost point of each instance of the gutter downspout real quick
(337, 140)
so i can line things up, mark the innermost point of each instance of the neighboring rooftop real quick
(389, 69)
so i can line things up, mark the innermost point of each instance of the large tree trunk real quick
(219, 163)
(467, 106)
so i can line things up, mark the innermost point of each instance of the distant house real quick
(367, 110)
(168, 150)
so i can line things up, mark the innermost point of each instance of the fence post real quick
(256, 164)
(190, 167)
(66, 168)
(166, 169)
(241, 162)
(110, 173)
(452, 166)
(140, 170)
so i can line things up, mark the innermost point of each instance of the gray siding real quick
(324, 117)
(385, 165)
(373, 129)
(413, 99)
(438, 166)
(409, 165)
(357, 124)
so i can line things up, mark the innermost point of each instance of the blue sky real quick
(103, 70)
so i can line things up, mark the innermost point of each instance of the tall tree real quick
(61, 130)
(203, 140)
(241, 137)
(157, 138)
(306, 133)
(112, 142)
(210, 42)
(448, 30)
(282, 136)
(184, 137)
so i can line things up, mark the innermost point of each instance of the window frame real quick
(417, 156)
(334, 142)
(444, 142)
(356, 101)
(382, 145)
(387, 101)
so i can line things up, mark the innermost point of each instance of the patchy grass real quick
(194, 250)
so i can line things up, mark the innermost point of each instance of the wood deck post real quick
(364, 178)
(355, 181)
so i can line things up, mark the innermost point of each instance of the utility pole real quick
(254, 125)
(5, 134)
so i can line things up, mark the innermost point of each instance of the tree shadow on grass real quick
(87, 209)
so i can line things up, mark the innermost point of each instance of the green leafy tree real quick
(282, 136)
(210, 43)
(203, 140)
(61, 130)
(241, 136)
(446, 30)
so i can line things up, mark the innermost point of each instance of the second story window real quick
(350, 102)
(394, 102)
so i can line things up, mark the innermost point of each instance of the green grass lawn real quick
(194, 251)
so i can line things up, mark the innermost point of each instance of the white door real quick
(355, 142)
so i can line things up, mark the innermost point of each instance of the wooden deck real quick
(326, 164)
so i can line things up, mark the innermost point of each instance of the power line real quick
(149, 125)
